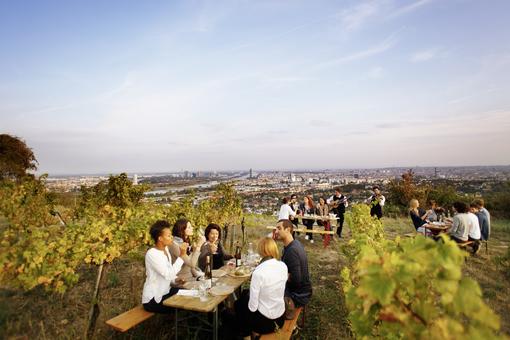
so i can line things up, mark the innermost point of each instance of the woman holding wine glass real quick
(213, 247)
(182, 233)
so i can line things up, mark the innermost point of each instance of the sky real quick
(157, 86)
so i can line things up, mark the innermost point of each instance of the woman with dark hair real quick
(160, 271)
(213, 247)
(461, 223)
(182, 232)
(322, 209)
(308, 208)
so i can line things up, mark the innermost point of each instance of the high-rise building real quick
(251, 173)
(135, 179)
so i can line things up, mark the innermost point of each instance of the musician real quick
(376, 202)
(338, 203)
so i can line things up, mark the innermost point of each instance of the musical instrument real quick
(337, 203)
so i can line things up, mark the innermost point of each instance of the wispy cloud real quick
(376, 49)
(424, 55)
(354, 17)
(408, 8)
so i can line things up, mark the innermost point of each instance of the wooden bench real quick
(465, 244)
(285, 332)
(303, 230)
(129, 319)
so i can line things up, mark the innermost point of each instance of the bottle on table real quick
(208, 271)
(238, 256)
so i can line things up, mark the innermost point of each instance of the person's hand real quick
(199, 242)
(214, 248)
(183, 248)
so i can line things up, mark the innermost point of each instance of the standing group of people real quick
(335, 204)
(277, 288)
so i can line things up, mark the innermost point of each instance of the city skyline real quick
(136, 87)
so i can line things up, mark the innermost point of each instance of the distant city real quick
(262, 190)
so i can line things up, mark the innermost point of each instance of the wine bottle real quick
(208, 271)
(238, 256)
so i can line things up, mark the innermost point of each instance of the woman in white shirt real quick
(264, 307)
(160, 271)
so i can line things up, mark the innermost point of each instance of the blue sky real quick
(110, 86)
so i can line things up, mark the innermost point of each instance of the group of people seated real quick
(469, 222)
(278, 285)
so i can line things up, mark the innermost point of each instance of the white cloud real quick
(409, 8)
(355, 17)
(376, 49)
(424, 55)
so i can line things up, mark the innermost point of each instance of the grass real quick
(38, 314)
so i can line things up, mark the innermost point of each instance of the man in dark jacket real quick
(299, 287)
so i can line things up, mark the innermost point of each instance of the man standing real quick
(294, 205)
(298, 287)
(376, 202)
(486, 226)
(338, 203)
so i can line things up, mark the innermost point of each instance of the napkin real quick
(185, 292)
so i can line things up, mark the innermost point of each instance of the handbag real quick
(290, 308)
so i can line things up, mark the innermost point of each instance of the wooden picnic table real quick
(192, 303)
(437, 226)
(316, 217)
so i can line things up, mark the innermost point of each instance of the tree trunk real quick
(243, 231)
(94, 308)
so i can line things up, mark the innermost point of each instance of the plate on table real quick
(221, 290)
(218, 273)
(241, 272)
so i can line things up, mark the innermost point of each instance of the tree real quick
(16, 158)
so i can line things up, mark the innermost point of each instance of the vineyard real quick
(78, 266)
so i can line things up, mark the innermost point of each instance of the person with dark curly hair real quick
(459, 231)
(161, 272)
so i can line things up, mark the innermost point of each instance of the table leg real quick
(175, 328)
(215, 324)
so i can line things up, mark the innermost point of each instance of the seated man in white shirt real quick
(160, 271)
(264, 307)
(474, 228)
(286, 212)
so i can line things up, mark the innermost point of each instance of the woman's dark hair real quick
(285, 200)
(460, 207)
(432, 202)
(179, 228)
(376, 187)
(157, 229)
(210, 227)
